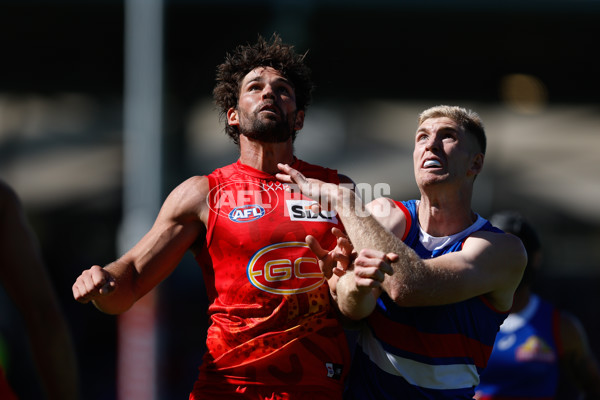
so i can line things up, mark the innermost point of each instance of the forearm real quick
(354, 303)
(365, 232)
(123, 296)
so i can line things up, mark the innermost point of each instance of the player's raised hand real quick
(322, 192)
(93, 283)
(371, 266)
(337, 260)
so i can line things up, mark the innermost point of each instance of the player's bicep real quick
(495, 262)
(486, 265)
(498, 258)
(455, 277)
(176, 229)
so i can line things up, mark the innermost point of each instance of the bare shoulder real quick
(188, 199)
(498, 249)
(387, 212)
(382, 204)
(499, 242)
(194, 186)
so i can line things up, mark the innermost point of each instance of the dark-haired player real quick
(273, 332)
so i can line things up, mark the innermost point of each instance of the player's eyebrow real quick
(260, 78)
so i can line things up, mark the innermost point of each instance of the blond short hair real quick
(469, 120)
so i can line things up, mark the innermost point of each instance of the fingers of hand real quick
(342, 241)
(107, 287)
(288, 174)
(315, 208)
(386, 264)
(392, 257)
(340, 236)
(285, 168)
(345, 245)
(338, 233)
(372, 253)
(293, 174)
(372, 275)
(315, 246)
(340, 257)
(326, 263)
(383, 260)
(91, 283)
(372, 266)
(362, 283)
(283, 177)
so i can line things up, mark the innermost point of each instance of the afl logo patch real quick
(285, 268)
(242, 201)
(247, 213)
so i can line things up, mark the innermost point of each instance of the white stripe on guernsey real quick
(433, 243)
(440, 377)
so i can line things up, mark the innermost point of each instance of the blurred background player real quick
(24, 278)
(537, 343)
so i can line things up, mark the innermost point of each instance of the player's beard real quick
(266, 129)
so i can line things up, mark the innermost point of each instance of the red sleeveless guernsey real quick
(271, 320)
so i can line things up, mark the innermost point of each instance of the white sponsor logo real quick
(300, 210)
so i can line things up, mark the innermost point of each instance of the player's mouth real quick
(269, 108)
(432, 163)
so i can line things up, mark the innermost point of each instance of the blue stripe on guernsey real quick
(440, 319)
(451, 347)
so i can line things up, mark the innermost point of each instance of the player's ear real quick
(232, 117)
(477, 164)
(299, 123)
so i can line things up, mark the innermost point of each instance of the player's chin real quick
(431, 178)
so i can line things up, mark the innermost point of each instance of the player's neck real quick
(444, 216)
(265, 156)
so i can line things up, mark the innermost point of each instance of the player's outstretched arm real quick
(179, 226)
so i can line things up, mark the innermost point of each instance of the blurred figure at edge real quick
(537, 342)
(25, 278)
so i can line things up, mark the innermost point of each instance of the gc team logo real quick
(285, 268)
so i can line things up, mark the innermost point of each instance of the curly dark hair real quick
(263, 53)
